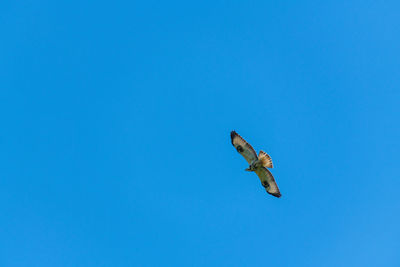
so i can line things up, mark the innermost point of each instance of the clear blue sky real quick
(115, 146)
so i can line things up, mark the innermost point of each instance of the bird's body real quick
(254, 165)
(257, 164)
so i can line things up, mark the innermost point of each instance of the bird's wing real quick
(244, 148)
(268, 181)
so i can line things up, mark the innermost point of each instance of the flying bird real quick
(257, 164)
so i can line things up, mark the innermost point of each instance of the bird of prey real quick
(257, 164)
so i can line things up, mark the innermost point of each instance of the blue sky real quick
(116, 116)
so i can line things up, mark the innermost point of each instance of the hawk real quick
(257, 164)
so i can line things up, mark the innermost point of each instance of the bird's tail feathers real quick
(265, 159)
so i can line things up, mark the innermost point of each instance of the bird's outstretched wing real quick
(268, 181)
(244, 148)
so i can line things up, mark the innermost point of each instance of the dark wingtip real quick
(233, 134)
(278, 195)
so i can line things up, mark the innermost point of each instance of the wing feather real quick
(244, 148)
(268, 181)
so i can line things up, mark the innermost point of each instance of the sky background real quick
(116, 120)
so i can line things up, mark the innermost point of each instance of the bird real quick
(257, 164)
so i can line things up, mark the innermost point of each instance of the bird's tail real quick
(265, 159)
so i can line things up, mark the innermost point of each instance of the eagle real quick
(257, 164)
